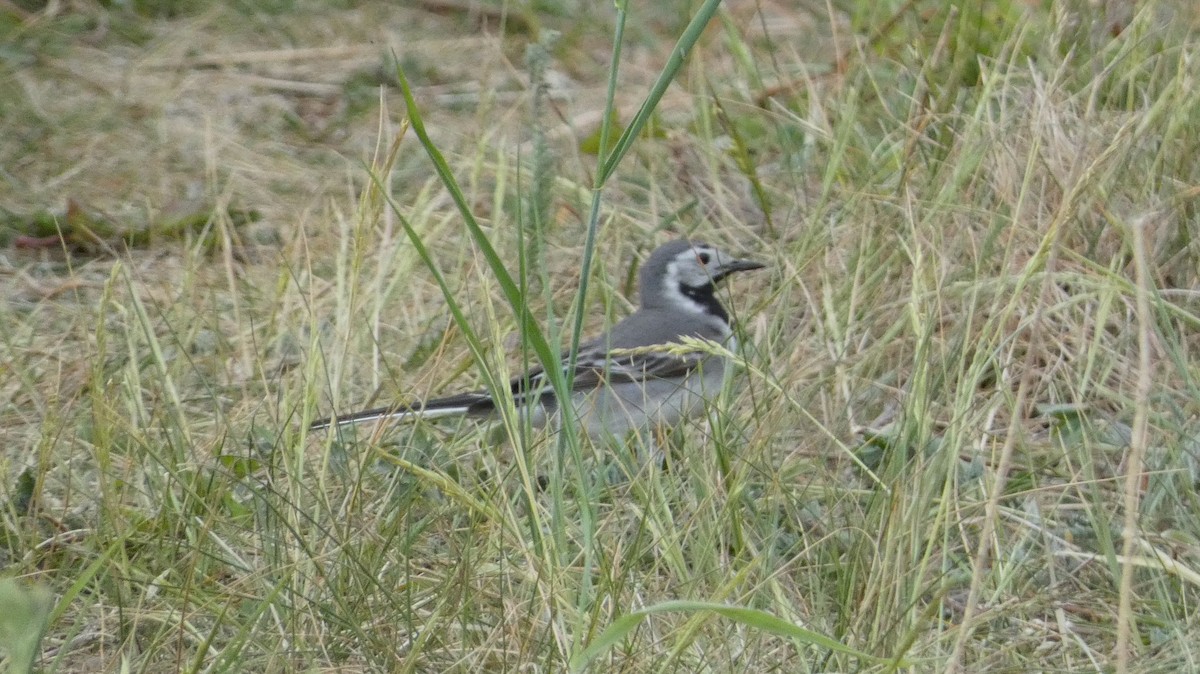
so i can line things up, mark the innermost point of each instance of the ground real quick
(964, 436)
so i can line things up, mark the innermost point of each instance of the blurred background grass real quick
(948, 370)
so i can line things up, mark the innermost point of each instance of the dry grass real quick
(982, 230)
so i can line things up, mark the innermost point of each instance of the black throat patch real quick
(706, 297)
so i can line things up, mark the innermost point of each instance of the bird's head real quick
(680, 270)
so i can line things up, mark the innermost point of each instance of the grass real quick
(966, 434)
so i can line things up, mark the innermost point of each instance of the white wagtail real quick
(621, 383)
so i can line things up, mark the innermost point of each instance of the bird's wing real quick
(595, 367)
(646, 345)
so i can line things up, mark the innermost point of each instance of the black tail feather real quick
(465, 404)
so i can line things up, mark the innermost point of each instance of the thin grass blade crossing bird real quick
(622, 382)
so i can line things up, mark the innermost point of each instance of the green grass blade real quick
(686, 42)
(623, 626)
(24, 615)
(512, 292)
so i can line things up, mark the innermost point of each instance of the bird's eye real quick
(703, 257)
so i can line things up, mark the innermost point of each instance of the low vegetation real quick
(967, 434)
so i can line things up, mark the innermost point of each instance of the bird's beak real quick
(736, 266)
(741, 265)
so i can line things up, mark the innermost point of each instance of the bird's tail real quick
(466, 404)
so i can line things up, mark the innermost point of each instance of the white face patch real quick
(690, 268)
(683, 278)
(670, 289)
(695, 267)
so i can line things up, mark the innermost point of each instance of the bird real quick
(638, 375)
